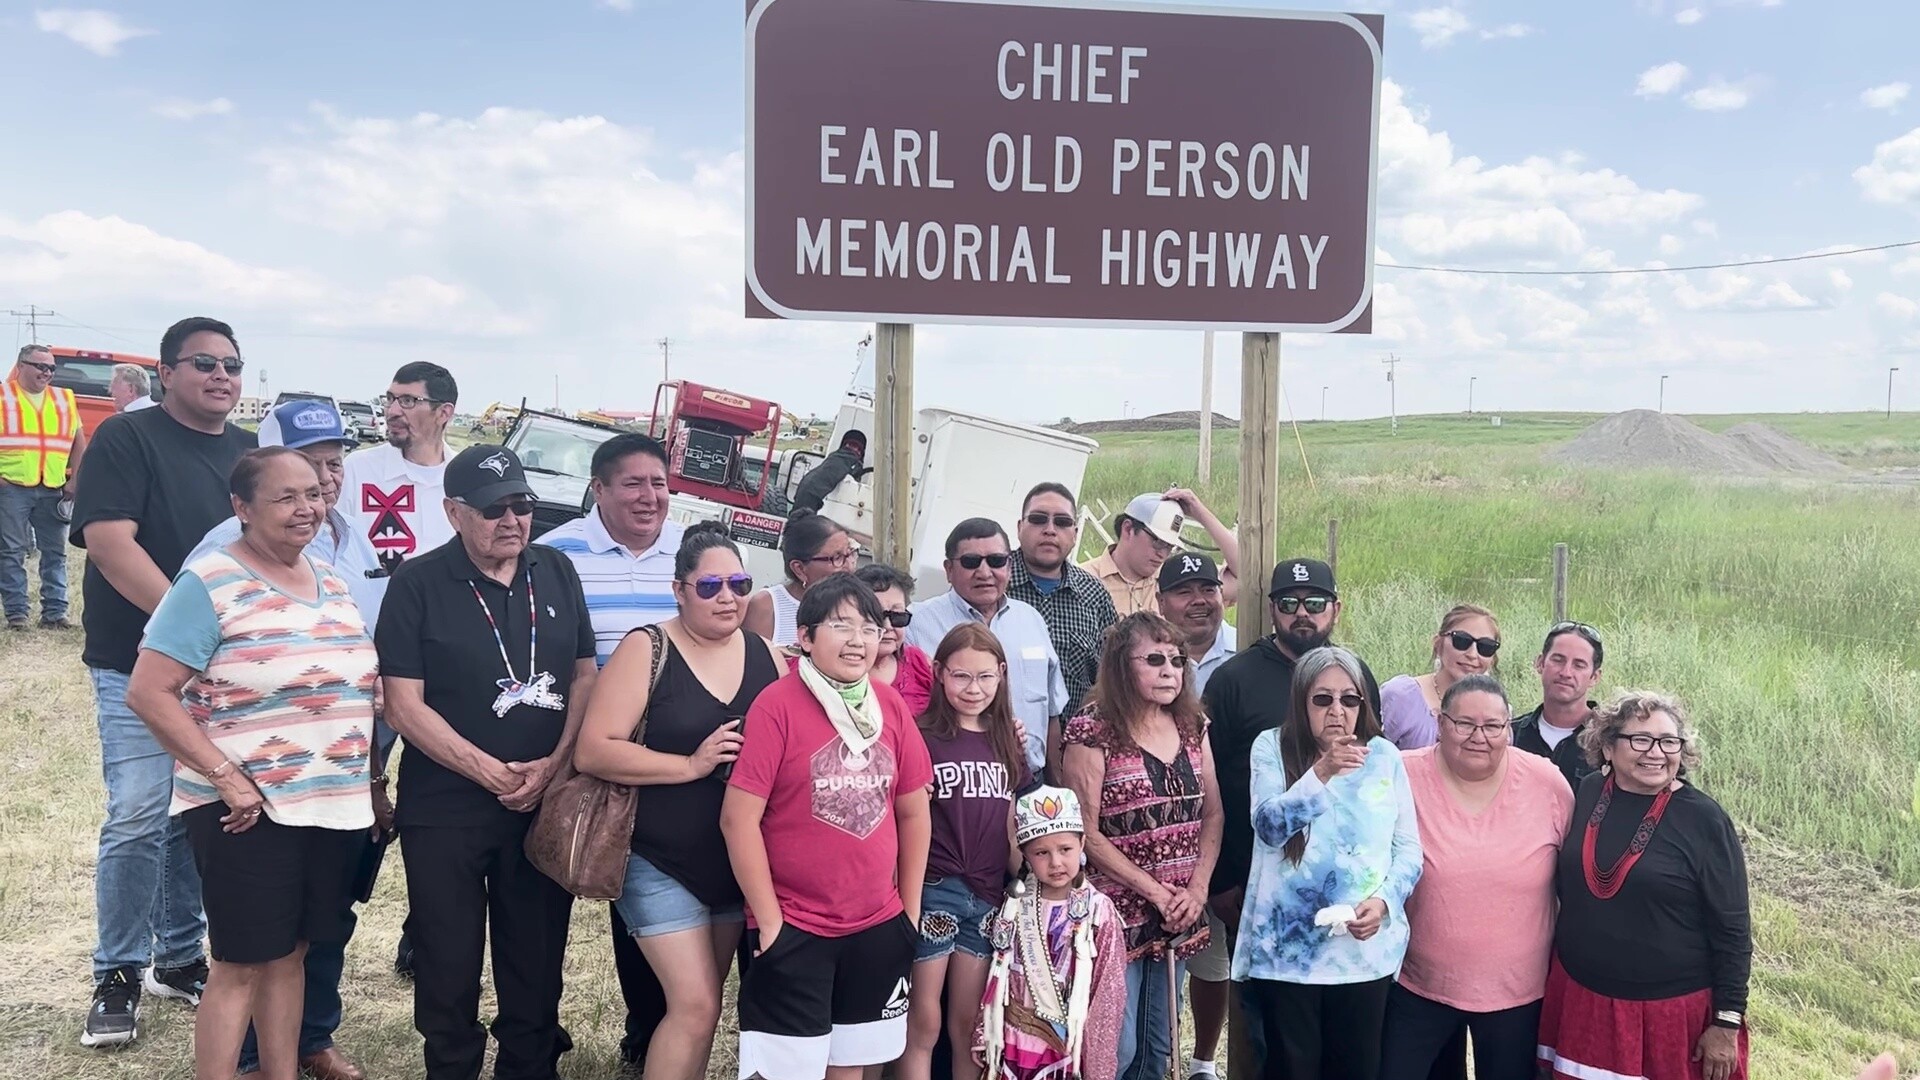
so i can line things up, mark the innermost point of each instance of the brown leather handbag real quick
(583, 831)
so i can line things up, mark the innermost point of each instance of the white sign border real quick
(1147, 6)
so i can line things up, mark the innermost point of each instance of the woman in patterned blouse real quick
(1137, 757)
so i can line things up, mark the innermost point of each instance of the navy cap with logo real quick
(1185, 566)
(482, 475)
(1303, 574)
(303, 422)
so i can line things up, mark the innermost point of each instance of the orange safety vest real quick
(36, 445)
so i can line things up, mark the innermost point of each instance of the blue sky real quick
(525, 191)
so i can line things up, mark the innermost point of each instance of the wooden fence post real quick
(1559, 582)
(1333, 546)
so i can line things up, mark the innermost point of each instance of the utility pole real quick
(1205, 471)
(33, 315)
(666, 359)
(1663, 393)
(1393, 392)
(1471, 379)
(1890, 372)
(1323, 404)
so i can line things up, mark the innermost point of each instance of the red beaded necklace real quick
(1604, 884)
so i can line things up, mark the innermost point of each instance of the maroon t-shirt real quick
(972, 796)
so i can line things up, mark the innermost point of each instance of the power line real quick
(1648, 269)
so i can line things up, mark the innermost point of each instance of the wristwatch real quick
(1727, 1018)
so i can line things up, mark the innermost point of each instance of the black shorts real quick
(272, 887)
(812, 1002)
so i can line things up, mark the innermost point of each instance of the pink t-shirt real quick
(833, 843)
(1481, 919)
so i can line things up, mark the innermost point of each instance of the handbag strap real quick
(661, 643)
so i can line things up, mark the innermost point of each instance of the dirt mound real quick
(1781, 452)
(1184, 420)
(1644, 439)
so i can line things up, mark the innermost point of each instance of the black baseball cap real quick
(1184, 566)
(1294, 574)
(482, 475)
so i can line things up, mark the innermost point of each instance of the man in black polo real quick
(1253, 692)
(1569, 666)
(487, 657)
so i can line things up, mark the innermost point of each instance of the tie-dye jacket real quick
(1362, 842)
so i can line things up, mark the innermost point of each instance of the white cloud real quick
(1661, 80)
(1688, 16)
(1720, 96)
(1506, 31)
(1670, 245)
(614, 5)
(1893, 176)
(1438, 26)
(182, 109)
(1896, 306)
(99, 32)
(1885, 97)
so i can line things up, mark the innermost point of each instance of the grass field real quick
(1787, 614)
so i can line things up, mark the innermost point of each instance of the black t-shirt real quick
(1252, 692)
(1567, 757)
(1680, 921)
(432, 629)
(676, 827)
(171, 481)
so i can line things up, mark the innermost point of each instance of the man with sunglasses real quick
(1251, 693)
(624, 549)
(978, 567)
(393, 492)
(156, 481)
(1147, 533)
(1569, 667)
(41, 440)
(487, 658)
(1076, 607)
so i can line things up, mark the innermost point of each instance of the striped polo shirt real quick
(623, 590)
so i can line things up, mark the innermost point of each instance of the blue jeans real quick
(27, 521)
(146, 888)
(320, 1013)
(1146, 1037)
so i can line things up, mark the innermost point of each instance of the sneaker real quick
(61, 623)
(184, 983)
(114, 1019)
(17, 622)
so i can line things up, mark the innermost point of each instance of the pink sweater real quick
(1482, 916)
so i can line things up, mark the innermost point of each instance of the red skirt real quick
(1584, 1036)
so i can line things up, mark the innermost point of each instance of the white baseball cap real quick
(1161, 516)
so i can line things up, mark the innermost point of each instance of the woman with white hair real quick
(1654, 945)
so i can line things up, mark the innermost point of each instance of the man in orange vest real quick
(41, 440)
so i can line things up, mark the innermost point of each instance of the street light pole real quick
(1663, 393)
(1890, 372)
(1323, 403)
(1393, 392)
(1471, 379)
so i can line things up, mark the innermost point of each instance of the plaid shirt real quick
(1077, 614)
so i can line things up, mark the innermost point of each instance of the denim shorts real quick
(952, 917)
(653, 903)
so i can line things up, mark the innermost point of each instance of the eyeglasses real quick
(899, 620)
(1349, 702)
(408, 401)
(205, 363)
(44, 369)
(865, 631)
(516, 507)
(1162, 659)
(1467, 729)
(1290, 604)
(708, 587)
(838, 562)
(1641, 743)
(1039, 519)
(967, 680)
(1462, 641)
(972, 562)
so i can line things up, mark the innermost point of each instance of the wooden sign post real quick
(1259, 479)
(892, 443)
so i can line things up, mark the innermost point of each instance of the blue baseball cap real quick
(294, 424)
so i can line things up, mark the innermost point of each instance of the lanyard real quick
(533, 629)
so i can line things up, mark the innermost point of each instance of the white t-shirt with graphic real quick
(397, 504)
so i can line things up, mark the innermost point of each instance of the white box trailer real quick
(964, 465)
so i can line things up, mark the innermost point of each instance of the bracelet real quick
(1727, 1018)
(225, 766)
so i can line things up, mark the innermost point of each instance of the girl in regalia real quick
(1057, 987)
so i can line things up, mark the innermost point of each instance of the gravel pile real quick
(1644, 439)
